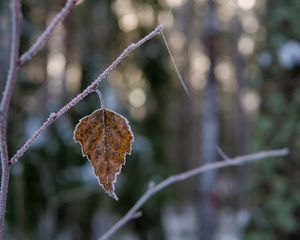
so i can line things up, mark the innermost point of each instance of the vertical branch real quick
(15, 8)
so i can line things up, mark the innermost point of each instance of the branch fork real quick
(16, 62)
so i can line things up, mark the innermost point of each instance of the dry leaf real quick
(105, 138)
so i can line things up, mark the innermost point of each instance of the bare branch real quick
(184, 176)
(222, 153)
(91, 88)
(16, 18)
(40, 42)
(137, 215)
(4, 174)
(175, 67)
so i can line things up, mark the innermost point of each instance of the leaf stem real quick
(100, 98)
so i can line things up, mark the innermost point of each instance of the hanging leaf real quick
(105, 138)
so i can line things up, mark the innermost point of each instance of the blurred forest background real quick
(241, 62)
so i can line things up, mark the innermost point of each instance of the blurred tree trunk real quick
(242, 125)
(210, 129)
(179, 150)
(185, 127)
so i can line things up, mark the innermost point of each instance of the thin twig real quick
(14, 55)
(39, 43)
(176, 68)
(4, 175)
(222, 153)
(137, 215)
(16, 18)
(91, 88)
(184, 176)
(15, 63)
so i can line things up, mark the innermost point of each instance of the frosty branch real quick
(91, 88)
(16, 62)
(14, 65)
(132, 213)
(40, 42)
(15, 10)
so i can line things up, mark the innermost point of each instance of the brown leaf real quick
(105, 138)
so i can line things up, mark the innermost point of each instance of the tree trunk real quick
(210, 130)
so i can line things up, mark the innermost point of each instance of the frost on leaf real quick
(105, 138)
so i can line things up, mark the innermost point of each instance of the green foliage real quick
(276, 207)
